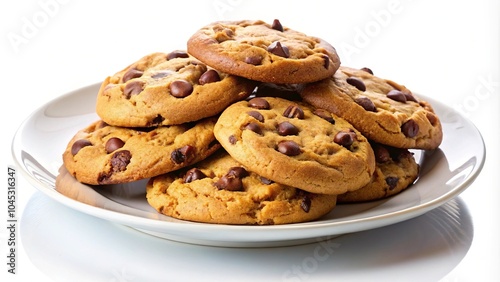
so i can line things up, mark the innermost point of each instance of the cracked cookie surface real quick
(221, 190)
(382, 110)
(105, 154)
(167, 89)
(264, 52)
(293, 144)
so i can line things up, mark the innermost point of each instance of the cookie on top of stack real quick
(255, 123)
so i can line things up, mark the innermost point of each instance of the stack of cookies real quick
(254, 123)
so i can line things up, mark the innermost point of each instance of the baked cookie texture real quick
(220, 190)
(264, 52)
(104, 154)
(396, 170)
(167, 89)
(292, 144)
(382, 110)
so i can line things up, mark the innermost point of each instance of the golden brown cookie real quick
(295, 145)
(396, 170)
(221, 190)
(264, 52)
(167, 89)
(382, 110)
(105, 154)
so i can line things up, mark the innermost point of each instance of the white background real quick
(448, 50)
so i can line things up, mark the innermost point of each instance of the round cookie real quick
(220, 190)
(167, 89)
(382, 110)
(396, 170)
(292, 144)
(105, 154)
(264, 52)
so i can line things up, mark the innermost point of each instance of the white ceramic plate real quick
(38, 145)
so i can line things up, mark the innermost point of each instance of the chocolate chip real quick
(392, 182)
(382, 155)
(432, 118)
(305, 204)
(289, 148)
(265, 181)
(177, 54)
(133, 88)
(294, 111)
(252, 126)
(326, 60)
(237, 171)
(344, 138)
(208, 77)
(255, 114)
(279, 49)
(397, 95)
(232, 139)
(410, 128)
(113, 144)
(132, 73)
(254, 60)
(120, 160)
(285, 128)
(324, 114)
(409, 97)
(181, 155)
(157, 120)
(277, 25)
(78, 145)
(193, 174)
(229, 183)
(162, 74)
(367, 70)
(181, 88)
(259, 103)
(366, 103)
(356, 82)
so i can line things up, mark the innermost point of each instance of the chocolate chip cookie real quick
(264, 52)
(295, 145)
(221, 190)
(396, 170)
(167, 89)
(105, 154)
(382, 110)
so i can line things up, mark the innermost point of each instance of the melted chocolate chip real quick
(397, 95)
(181, 155)
(131, 73)
(277, 25)
(232, 139)
(78, 145)
(254, 60)
(162, 74)
(279, 49)
(324, 114)
(193, 174)
(133, 88)
(367, 70)
(366, 103)
(265, 181)
(392, 182)
(294, 111)
(409, 97)
(229, 183)
(252, 126)
(259, 103)
(113, 144)
(120, 160)
(326, 60)
(356, 82)
(181, 88)
(208, 77)
(289, 148)
(237, 171)
(177, 54)
(286, 128)
(157, 120)
(305, 204)
(255, 114)
(344, 138)
(382, 155)
(410, 128)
